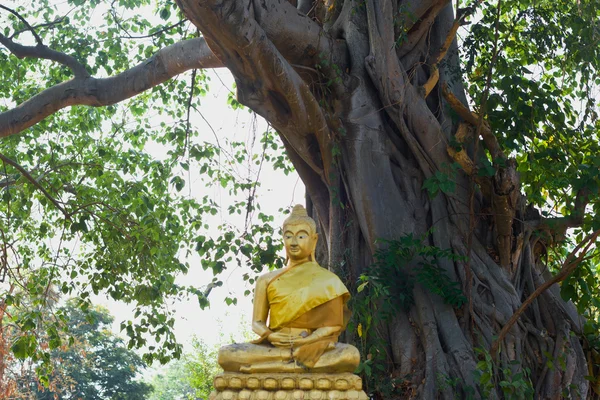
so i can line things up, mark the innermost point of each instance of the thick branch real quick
(382, 62)
(41, 51)
(435, 75)
(266, 81)
(491, 143)
(412, 12)
(421, 28)
(44, 52)
(389, 76)
(558, 226)
(408, 110)
(297, 37)
(162, 66)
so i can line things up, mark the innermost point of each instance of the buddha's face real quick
(299, 241)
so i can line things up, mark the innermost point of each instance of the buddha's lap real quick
(241, 351)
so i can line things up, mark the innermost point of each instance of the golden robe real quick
(305, 298)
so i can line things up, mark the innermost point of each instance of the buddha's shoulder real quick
(317, 267)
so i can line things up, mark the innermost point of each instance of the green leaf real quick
(432, 186)
(24, 347)
(362, 286)
(165, 13)
(567, 291)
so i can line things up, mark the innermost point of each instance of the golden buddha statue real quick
(299, 312)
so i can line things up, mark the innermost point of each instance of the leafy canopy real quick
(543, 108)
(116, 215)
(89, 362)
(543, 95)
(190, 377)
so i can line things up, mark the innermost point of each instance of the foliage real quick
(514, 380)
(541, 102)
(117, 215)
(190, 377)
(444, 181)
(173, 383)
(201, 367)
(89, 362)
(388, 286)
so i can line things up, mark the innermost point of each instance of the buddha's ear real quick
(315, 237)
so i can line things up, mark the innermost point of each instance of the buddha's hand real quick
(278, 338)
(284, 340)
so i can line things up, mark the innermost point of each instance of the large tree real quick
(91, 363)
(432, 162)
(190, 377)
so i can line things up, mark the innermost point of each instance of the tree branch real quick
(490, 141)
(461, 156)
(41, 50)
(381, 62)
(558, 227)
(158, 32)
(44, 52)
(421, 28)
(411, 13)
(458, 21)
(24, 21)
(567, 268)
(165, 64)
(189, 111)
(266, 82)
(129, 36)
(35, 183)
(398, 96)
(44, 25)
(297, 37)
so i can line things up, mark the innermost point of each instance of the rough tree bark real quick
(365, 120)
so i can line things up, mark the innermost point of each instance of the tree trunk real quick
(363, 94)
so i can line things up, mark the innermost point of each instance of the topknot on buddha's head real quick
(299, 216)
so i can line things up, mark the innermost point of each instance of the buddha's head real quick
(300, 235)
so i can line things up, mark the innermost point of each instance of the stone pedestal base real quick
(234, 386)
